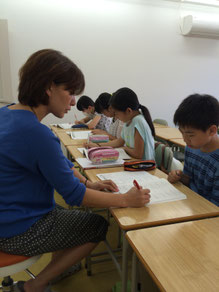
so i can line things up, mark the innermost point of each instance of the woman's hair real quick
(125, 98)
(41, 70)
(102, 102)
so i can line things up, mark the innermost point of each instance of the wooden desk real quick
(194, 207)
(67, 140)
(180, 257)
(178, 141)
(160, 126)
(74, 152)
(168, 133)
(56, 129)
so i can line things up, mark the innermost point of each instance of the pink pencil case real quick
(98, 138)
(99, 155)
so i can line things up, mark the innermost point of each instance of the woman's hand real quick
(137, 198)
(103, 185)
(175, 176)
(90, 145)
(98, 131)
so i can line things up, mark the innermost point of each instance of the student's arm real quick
(133, 198)
(114, 143)
(99, 131)
(214, 197)
(94, 122)
(138, 150)
(83, 121)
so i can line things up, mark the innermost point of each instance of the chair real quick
(163, 156)
(178, 152)
(160, 121)
(12, 264)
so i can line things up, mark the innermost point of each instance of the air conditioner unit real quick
(197, 26)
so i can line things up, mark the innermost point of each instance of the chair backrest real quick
(160, 121)
(163, 156)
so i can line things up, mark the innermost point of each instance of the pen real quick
(135, 183)
(88, 141)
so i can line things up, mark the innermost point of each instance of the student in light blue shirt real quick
(138, 132)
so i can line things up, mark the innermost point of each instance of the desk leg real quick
(124, 262)
(134, 273)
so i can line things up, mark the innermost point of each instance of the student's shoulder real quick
(215, 156)
(198, 154)
(139, 119)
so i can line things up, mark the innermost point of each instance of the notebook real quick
(87, 164)
(80, 134)
(161, 189)
(65, 126)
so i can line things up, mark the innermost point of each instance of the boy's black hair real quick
(102, 102)
(197, 111)
(125, 98)
(84, 102)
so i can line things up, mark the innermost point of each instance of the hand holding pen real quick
(137, 196)
(135, 183)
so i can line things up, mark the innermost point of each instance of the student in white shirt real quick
(92, 119)
(102, 106)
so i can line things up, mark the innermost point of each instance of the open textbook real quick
(122, 153)
(65, 126)
(87, 164)
(80, 134)
(161, 189)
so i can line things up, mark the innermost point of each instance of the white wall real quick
(116, 44)
(5, 74)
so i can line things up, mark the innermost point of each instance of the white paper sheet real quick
(65, 126)
(80, 134)
(161, 189)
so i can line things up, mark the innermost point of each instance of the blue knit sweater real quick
(32, 165)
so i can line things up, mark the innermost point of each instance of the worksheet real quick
(160, 189)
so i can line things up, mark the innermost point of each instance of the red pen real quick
(135, 183)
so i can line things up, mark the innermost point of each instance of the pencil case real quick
(99, 155)
(98, 138)
(139, 165)
(80, 126)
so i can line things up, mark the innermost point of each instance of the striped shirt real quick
(203, 170)
(115, 128)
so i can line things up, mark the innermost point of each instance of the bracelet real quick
(85, 183)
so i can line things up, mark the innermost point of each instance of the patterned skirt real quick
(59, 229)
